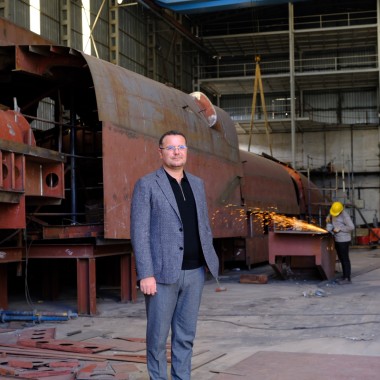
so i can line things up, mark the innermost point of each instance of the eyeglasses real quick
(172, 148)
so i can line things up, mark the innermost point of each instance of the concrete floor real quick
(249, 325)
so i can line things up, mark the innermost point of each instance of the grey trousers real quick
(175, 307)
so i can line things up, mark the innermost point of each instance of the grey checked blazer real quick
(157, 231)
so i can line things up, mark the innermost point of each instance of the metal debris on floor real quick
(314, 293)
(35, 353)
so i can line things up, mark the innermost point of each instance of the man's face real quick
(175, 158)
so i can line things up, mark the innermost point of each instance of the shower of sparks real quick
(286, 223)
(267, 219)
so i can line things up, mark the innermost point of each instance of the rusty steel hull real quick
(135, 112)
(73, 178)
(267, 186)
(298, 245)
(122, 115)
(122, 170)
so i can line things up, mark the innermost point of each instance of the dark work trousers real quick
(342, 249)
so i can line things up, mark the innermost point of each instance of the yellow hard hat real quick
(336, 208)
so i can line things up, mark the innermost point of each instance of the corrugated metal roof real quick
(199, 6)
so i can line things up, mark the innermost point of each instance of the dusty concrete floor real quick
(282, 316)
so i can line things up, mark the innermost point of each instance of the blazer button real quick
(181, 248)
(180, 230)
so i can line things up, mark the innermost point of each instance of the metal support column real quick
(378, 85)
(151, 51)
(196, 71)
(86, 286)
(5, 10)
(178, 58)
(128, 291)
(113, 32)
(73, 170)
(3, 286)
(378, 44)
(292, 84)
(66, 26)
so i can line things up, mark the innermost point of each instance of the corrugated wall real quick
(20, 13)
(50, 16)
(173, 55)
(342, 107)
(133, 36)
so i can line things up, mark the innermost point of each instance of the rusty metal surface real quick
(128, 277)
(14, 127)
(10, 33)
(135, 112)
(26, 170)
(64, 345)
(144, 107)
(70, 232)
(10, 254)
(39, 333)
(86, 286)
(319, 247)
(267, 186)
(35, 354)
(83, 250)
(39, 60)
(257, 249)
(121, 171)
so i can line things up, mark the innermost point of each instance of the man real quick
(172, 242)
(342, 226)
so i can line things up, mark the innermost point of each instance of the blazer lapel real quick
(164, 184)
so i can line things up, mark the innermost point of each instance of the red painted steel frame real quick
(7, 255)
(303, 244)
(85, 256)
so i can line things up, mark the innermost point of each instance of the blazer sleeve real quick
(140, 229)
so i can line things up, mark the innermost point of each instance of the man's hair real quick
(170, 133)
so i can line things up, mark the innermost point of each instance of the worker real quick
(341, 227)
(172, 242)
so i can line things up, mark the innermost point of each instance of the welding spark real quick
(291, 223)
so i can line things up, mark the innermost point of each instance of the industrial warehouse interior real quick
(279, 102)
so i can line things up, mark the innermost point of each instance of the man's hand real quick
(148, 286)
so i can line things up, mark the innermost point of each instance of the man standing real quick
(342, 227)
(172, 242)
